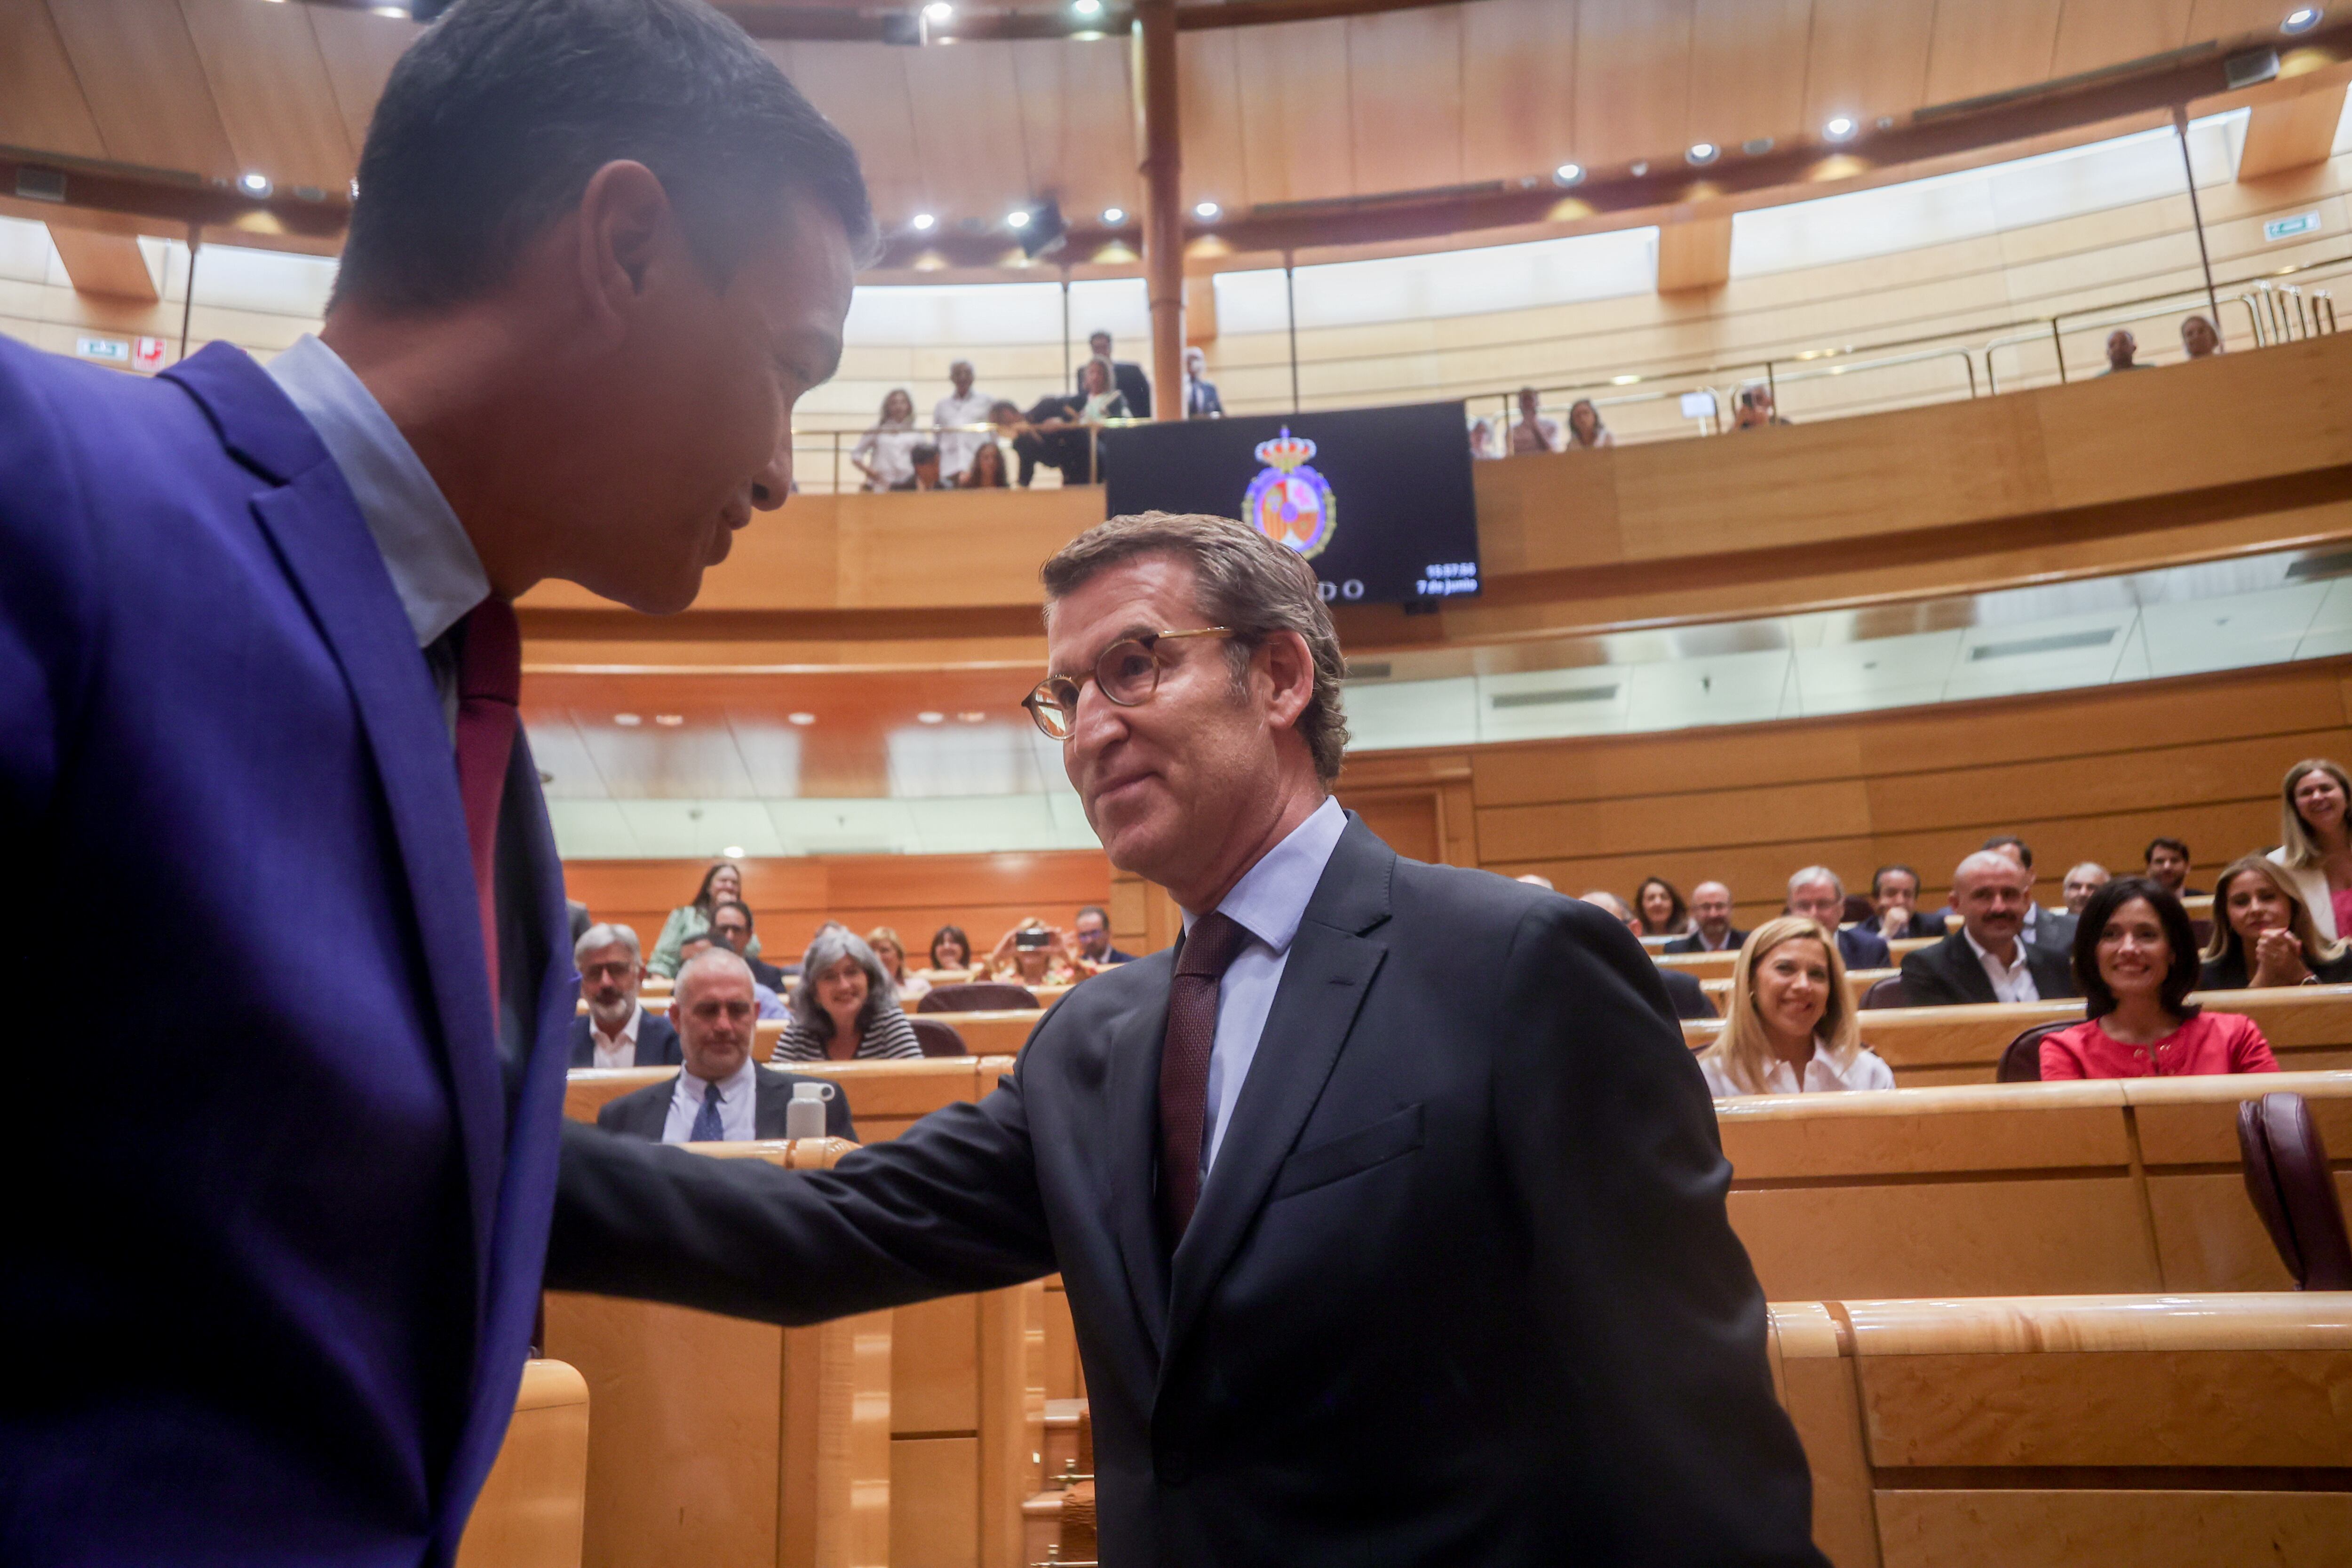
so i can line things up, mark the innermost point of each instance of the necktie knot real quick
(1211, 946)
(490, 668)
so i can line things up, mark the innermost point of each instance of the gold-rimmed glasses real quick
(1127, 673)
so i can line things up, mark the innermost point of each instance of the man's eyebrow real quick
(1129, 632)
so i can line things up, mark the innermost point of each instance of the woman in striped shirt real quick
(844, 1006)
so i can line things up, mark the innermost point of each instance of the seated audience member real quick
(722, 1096)
(1791, 1029)
(1585, 430)
(885, 453)
(1054, 432)
(986, 471)
(2082, 881)
(617, 1032)
(2121, 347)
(1755, 409)
(1032, 954)
(909, 988)
(1988, 959)
(1092, 928)
(2263, 934)
(2050, 928)
(1481, 439)
(842, 1006)
(923, 459)
(953, 418)
(1659, 907)
(1710, 908)
(2136, 956)
(2167, 867)
(1817, 894)
(731, 922)
(951, 951)
(2198, 338)
(1533, 432)
(2314, 845)
(720, 883)
(1684, 992)
(1127, 376)
(1201, 400)
(769, 1003)
(1895, 911)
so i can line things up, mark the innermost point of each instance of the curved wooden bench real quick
(531, 1509)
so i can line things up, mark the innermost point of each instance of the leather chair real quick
(1857, 910)
(1887, 993)
(938, 1038)
(2292, 1188)
(984, 996)
(2021, 1059)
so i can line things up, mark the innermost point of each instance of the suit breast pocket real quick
(1351, 1153)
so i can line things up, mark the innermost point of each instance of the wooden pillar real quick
(1163, 198)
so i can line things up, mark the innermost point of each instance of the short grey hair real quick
(834, 943)
(1242, 580)
(718, 957)
(1816, 874)
(1606, 900)
(601, 936)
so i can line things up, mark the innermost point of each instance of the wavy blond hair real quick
(1743, 1051)
(2296, 849)
(2225, 938)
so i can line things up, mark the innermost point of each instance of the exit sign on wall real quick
(2279, 228)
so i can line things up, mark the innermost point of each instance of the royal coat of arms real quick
(1290, 502)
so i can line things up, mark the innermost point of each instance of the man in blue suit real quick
(1818, 893)
(258, 671)
(617, 1031)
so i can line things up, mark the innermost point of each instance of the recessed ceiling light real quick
(669, 720)
(1114, 217)
(1086, 7)
(2302, 19)
(399, 11)
(1018, 217)
(803, 720)
(1702, 152)
(1568, 174)
(254, 185)
(939, 11)
(924, 220)
(1624, 380)
(930, 718)
(627, 721)
(733, 852)
(1640, 169)
(1204, 211)
(1840, 129)
(973, 718)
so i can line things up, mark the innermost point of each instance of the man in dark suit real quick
(1988, 959)
(731, 924)
(1201, 399)
(1711, 927)
(1092, 928)
(1684, 993)
(257, 659)
(717, 1021)
(1819, 895)
(1385, 1159)
(617, 1032)
(1895, 906)
(1125, 375)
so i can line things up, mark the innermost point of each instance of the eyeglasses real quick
(1127, 673)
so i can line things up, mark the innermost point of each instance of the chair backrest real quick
(938, 1038)
(2021, 1059)
(1857, 910)
(986, 996)
(2292, 1190)
(1887, 993)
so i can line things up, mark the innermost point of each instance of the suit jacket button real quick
(1174, 1467)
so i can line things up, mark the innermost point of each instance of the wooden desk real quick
(533, 1507)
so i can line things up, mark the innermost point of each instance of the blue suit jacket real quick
(273, 1303)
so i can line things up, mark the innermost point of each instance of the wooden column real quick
(1163, 198)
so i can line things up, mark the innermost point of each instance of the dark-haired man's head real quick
(730, 924)
(1101, 344)
(2167, 864)
(925, 460)
(600, 249)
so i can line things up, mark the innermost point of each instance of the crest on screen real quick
(1290, 502)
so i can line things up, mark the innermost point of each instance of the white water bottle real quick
(804, 1117)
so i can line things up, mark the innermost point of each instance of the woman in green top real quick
(720, 883)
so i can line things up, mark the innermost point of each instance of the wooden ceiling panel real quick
(1296, 142)
(359, 47)
(1633, 78)
(1405, 100)
(1518, 76)
(145, 85)
(1747, 71)
(1209, 108)
(1077, 122)
(862, 89)
(40, 100)
(1867, 57)
(2229, 20)
(2095, 32)
(970, 149)
(270, 85)
(1989, 46)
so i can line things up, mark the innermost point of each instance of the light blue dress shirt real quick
(432, 561)
(1268, 902)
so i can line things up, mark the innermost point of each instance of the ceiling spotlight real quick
(803, 720)
(927, 718)
(939, 11)
(1114, 217)
(1018, 217)
(922, 221)
(669, 720)
(2302, 19)
(627, 721)
(1568, 174)
(973, 718)
(1841, 128)
(1205, 211)
(733, 852)
(398, 11)
(1702, 152)
(254, 185)
(1640, 169)
(1085, 7)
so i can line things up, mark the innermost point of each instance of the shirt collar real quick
(1983, 956)
(1271, 899)
(434, 567)
(628, 1034)
(740, 1078)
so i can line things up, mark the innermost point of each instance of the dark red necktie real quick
(1209, 947)
(489, 684)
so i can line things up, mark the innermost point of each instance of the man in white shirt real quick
(961, 406)
(1990, 958)
(617, 1031)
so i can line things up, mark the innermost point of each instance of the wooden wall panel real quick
(270, 83)
(2093, 33)
(360, 48)
(41, 104)
(1518, 104)
(1405, 92)
(138, 73)
(1632, 80)
(1208, 88)
(1298, 144)
(1867, 58)
(1989, 46)
(1731, 99)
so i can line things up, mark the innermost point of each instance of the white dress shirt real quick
(956, 447)
(1867, 1071)
(2011, 982)
(1268, 902)
(623, 1051)
(738, 1107)
(434, 568)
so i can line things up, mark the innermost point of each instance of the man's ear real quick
(625, 217)
(1290, 671)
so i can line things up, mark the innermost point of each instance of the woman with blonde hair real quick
(1790, 1027)
(2265, 935)
(911, 988)
(2314, 844)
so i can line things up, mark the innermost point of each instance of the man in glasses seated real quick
(1379, 1151)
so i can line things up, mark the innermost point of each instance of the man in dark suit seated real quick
(1818, 894)
(617, 1032)
(722, 1096)
(1092, 929)
(1381, 1150)
(1989, 958)
(1895, 906)
(731, 925)
(1711, 928)
(1127, 377)
(1684, 992)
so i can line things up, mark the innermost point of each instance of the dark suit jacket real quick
(1691, 943)
(1686, 996)
(1490, 1212)
(657, 1043)
(644, 1112)
(1128, 378)
(1948, 974)
(209, 684)
(1864, 949)
(1923, 922)
(769, 975)
(1204, 402)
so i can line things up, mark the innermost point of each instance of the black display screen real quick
(1378, 499)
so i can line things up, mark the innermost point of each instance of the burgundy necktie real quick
(1209, 947)
(489, 683)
